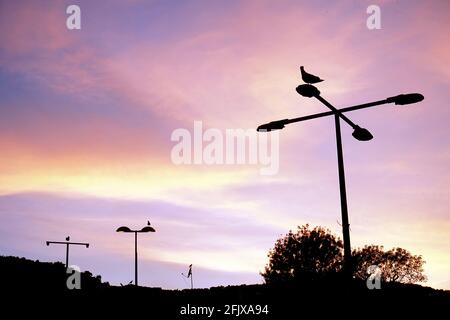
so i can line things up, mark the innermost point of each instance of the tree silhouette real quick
(396, 265)
(317, 253)
(306, 254)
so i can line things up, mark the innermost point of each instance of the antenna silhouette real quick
(67, 243)
(189, 275)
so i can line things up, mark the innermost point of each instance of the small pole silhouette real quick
(192, 276)
(148, 228)
(361, 134)
(189, 275)
(67, 243)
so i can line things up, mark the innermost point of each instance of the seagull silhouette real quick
(309, 78)
(148, 223)
(129, 284)
(67, 238)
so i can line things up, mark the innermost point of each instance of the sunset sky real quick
(86, 118)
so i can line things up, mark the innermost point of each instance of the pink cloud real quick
(30, 27)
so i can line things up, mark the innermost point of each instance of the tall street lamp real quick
(361, 134)
(144, 229)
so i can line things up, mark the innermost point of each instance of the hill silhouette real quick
(21, 273)
(38, 283)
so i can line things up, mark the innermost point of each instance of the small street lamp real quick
(67, 243)
(147, 228)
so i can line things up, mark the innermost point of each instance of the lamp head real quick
(307, 90)
(274, 125)
(123, 229)
(147, 229)
(408, 98)
(362, 134)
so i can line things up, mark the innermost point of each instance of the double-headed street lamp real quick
(143, 230)
(361, 134)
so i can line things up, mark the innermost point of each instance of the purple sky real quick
(86, 118)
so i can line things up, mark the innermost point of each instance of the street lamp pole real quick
(67, 243)
(361, 134)
(135, 259)
(343, 195)
(67, 255)
(148, 228)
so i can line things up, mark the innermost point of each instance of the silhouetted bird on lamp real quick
(67, 238)
(309, 78)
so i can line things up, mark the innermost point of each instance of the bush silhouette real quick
(396, 265)
(305, 254)
(316, 253)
